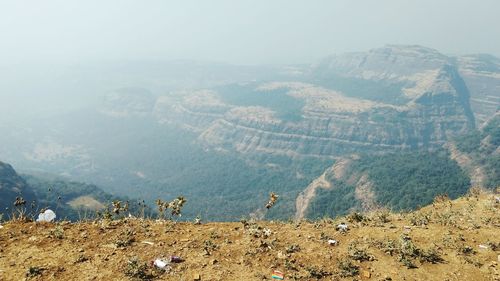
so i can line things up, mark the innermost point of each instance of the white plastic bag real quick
(162, 264)
(47, 216)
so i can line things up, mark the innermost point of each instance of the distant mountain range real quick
(226, 136)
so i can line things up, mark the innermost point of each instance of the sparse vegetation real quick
(347, 268)
(137, 270)
(358, 254)
(382, 216)
(175, 206)
(58, 232)
(293, 249)
(430, 256)
(126, 238)
(318, 273)
(81, 258)
(208, 247)
(356, 217)
(34, 271)
(420, 219)
(407, 252)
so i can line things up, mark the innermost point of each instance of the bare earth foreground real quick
(449, 240)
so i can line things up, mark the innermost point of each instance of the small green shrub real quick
(359, 254)
(317, 273)
(126, 238)
(34, 271)
(347, 268)
(137, 270)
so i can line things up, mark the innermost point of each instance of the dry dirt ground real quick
(441, 242)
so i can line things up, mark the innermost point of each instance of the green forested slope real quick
(401, 181)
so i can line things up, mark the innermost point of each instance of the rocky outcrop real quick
(482, 76)
(391, 62)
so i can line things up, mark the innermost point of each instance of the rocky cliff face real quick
(482, 75)
(396, 97)
(391, 62)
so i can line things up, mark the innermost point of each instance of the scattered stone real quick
(366, 274)
(196, 277)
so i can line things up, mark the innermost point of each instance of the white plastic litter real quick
(332, 242)
(197, 220)
(483, 247)
(47, 216)
(342, 227)
(162, 264)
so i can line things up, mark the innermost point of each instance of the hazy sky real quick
(244, 32)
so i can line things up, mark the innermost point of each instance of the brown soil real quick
(101, 250)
